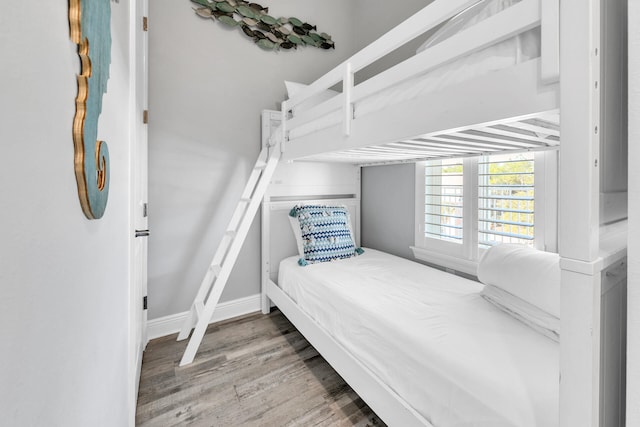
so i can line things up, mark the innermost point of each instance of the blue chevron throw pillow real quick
(323, 233)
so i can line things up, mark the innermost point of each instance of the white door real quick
(139, 50)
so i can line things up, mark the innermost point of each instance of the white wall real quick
(388, 206)
(63, 279)
(208, 86)
(633, 286)
(378, 17)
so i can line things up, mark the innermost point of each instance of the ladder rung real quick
(199, 309)
(245, 200)
(260, 166)
(215, 268)
(231, 233)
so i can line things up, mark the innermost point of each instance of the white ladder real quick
(225, 257)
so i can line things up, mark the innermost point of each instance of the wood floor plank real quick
(257, 370)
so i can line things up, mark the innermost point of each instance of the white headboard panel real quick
(278, 241)
(308, 179)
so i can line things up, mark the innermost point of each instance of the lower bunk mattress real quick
(457, 359)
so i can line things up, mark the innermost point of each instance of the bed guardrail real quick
(512, 21)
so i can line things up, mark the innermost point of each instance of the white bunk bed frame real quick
(427, 121)
(592, 261)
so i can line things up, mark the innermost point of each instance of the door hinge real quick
(145, 117)
(145, 210)
(145, 23)
(144, 302)
(142, 233)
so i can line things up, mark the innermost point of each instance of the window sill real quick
(446, 261)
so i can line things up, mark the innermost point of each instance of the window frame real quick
(450, 248)
(464, 257)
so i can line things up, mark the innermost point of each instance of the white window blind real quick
(443, 210)
(506, 206)
(459, 215)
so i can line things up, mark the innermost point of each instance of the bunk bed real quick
(490, 87)
(416, 111)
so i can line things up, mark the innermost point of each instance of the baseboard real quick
(172, 324)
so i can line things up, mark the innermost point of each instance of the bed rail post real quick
(284, 137)
(265, 302)
(550, 41)
(347, 92)
(270, 121)
(579, 222)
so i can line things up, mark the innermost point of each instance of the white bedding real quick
(507, 53)
(454, 357)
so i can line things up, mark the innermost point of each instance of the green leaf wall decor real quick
(266, 31)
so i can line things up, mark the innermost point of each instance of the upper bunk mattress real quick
(454, 357)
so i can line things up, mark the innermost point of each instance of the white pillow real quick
(527, 273)
(541, 321)
(293, 88)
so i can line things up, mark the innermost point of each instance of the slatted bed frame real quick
(485, 114)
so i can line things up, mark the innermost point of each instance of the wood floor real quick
(252, 371)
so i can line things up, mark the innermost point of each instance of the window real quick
(443, 207)
(506, 199)
(463, 206)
